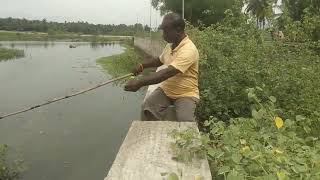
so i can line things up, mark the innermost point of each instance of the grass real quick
(34, 36)
(123, 63)
(6, 54)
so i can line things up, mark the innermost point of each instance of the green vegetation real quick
(240, 58)
(34, 36)
(300, 20)
(121, 64)
(6, 53)
(259, 112)
(13, 24)
(8, 170)
(259, 147)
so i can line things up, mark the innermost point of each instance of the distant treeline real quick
(14, 24)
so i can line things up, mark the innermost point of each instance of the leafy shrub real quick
(234, 59)
(263, 146)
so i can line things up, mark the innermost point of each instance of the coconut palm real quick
(261, 9)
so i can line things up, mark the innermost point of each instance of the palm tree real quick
(261, 9)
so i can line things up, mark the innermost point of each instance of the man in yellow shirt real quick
(179, 81)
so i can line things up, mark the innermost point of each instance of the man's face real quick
(169, 33)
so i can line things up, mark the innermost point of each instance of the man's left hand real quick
(132, 86)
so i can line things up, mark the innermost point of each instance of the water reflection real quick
(95, 45)
(50, 44)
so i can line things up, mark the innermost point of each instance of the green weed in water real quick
(6, 54)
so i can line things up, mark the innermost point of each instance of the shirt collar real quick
(182, 43)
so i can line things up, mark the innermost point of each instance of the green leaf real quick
(243, 141)
(220, 155)
(300, 118)
(206, 123)
(223, 170)
(234, 175)
(307, 129)
(173, 176)
(212, 152)
(236, 158)
(258, 114)
(288, 123)
(273, 99)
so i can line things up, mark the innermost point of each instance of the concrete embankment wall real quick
(149, 46)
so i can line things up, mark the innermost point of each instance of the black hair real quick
(176, 21)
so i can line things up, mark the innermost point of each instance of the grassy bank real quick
(34, 36)
(123, 63)
(6, 53)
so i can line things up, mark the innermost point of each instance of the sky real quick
(92, 11)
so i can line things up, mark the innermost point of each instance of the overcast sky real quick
(93, 11)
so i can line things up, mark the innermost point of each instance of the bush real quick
(263, 146)
(307, 29)
(246, 133)
(234, 59)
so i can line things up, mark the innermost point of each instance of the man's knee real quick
(151, 110)
(148, 105)
(147, 108)
(185, 109)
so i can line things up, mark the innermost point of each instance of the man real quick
(179, 81)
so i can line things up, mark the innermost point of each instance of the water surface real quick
(76, 139)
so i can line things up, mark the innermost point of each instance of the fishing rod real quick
(68, 96)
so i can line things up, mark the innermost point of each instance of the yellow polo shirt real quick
(185, 58)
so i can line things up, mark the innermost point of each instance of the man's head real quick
(173, 27)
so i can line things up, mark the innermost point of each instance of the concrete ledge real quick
(145, 154)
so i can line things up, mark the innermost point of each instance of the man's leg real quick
(185, 109)
(155, 107)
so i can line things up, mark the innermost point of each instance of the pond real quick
(74, 139)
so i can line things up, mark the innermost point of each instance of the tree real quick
(13, 24)
(261, 10)
(146, 28)
(300, 20)
(296, 8)
(207, 11)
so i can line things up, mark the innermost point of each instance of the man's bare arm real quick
(159, 76)
(151, 79)
(153, 62)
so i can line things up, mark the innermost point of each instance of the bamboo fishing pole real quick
(68, 96)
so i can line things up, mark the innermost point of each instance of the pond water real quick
(75, 139)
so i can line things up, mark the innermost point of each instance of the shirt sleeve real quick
(185, 58)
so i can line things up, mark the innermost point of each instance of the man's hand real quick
(137, 70)
(149, 62)
(132, 86)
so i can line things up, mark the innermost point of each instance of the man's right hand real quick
(137, 70)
